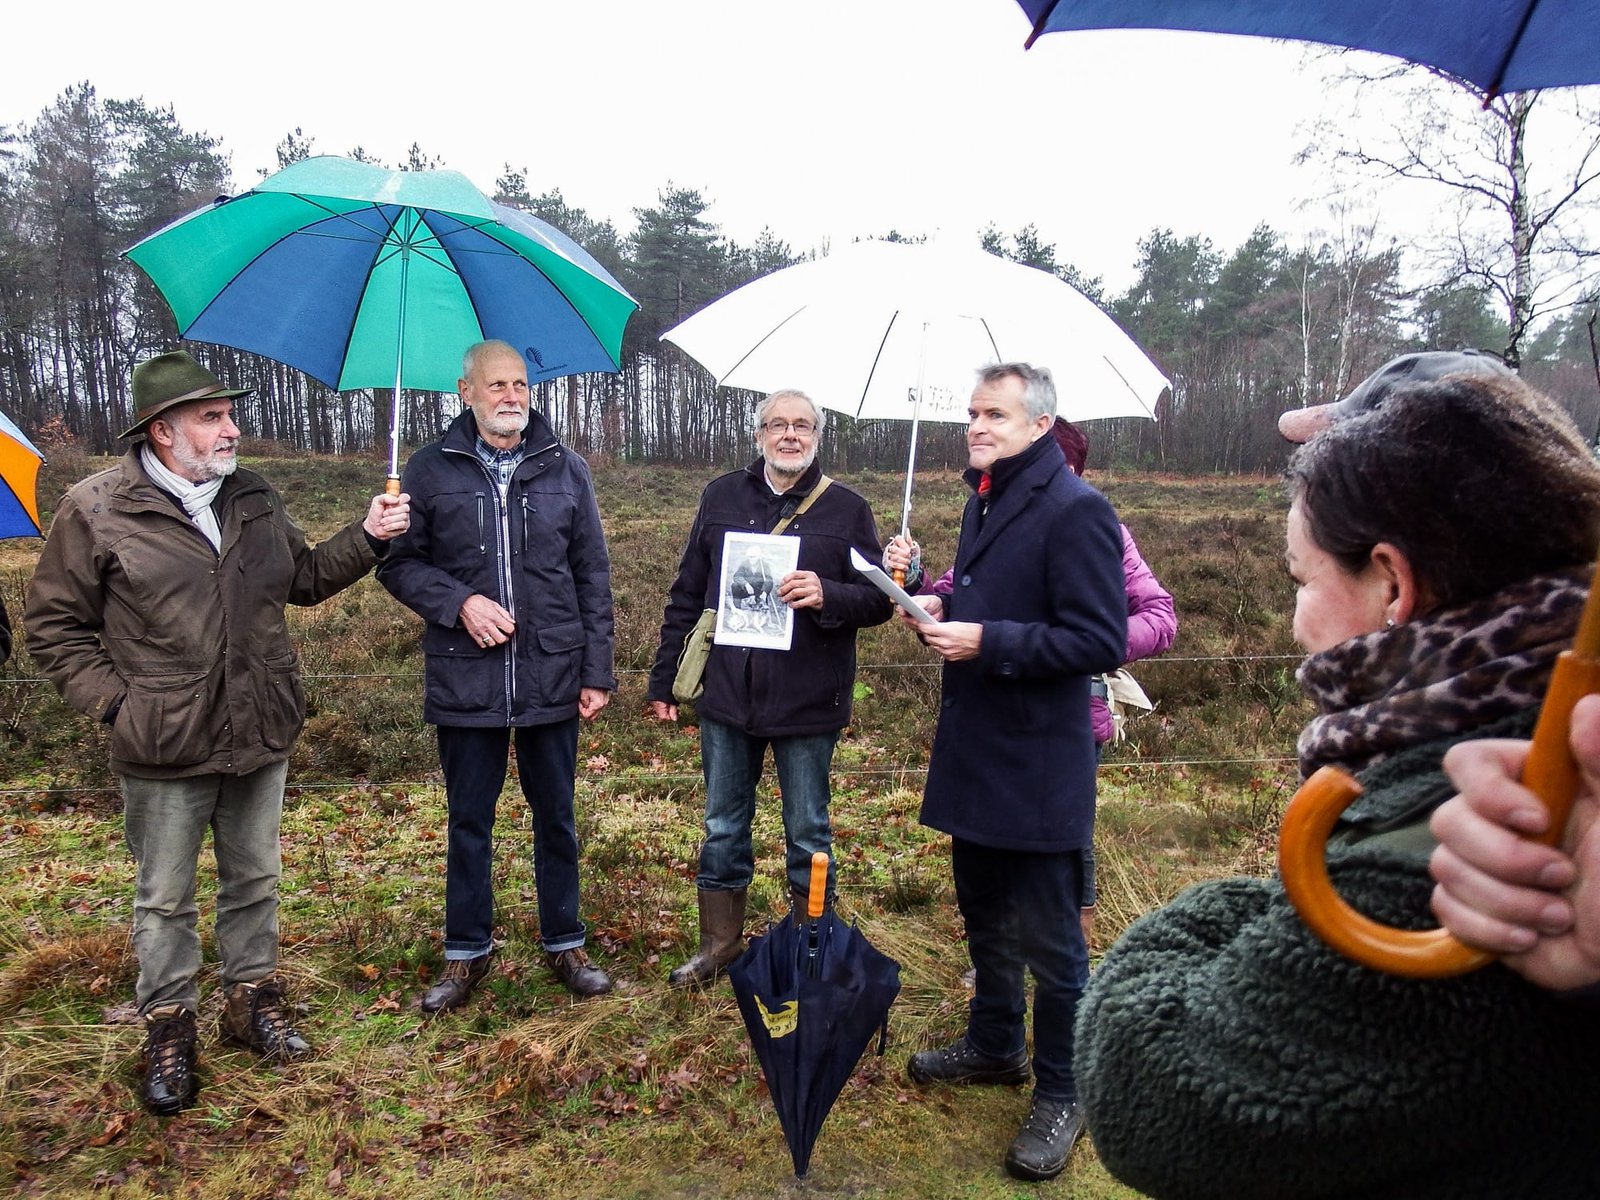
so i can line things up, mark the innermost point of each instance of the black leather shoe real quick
(1045, 1141)
(961, 1062)
(169, 1060)
(461, 976)
(580, 975)
(257, 1015)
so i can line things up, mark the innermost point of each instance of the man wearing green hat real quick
(158, 609)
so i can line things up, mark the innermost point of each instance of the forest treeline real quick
(1243, 333)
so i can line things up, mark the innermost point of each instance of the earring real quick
(1388, 622)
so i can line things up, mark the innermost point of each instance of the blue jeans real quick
(474, 762)
(732, 762)
(1021, 911)
(165, 822)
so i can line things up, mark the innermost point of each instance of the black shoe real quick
(461, 976)
(1045, 1140)
(169, 1058)
(960, 1062)
(257, 1015)
(580, 975)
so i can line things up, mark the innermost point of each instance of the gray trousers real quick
(166, 822)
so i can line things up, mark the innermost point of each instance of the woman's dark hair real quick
(1479, 481)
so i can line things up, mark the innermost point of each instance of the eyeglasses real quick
(801, 428)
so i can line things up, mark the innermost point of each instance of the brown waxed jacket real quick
(131, 611)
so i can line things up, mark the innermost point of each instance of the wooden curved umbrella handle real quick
(817, 898)
(391, 486)
(1550, 773)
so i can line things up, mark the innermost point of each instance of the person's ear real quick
(1405, 595)
(159, 432)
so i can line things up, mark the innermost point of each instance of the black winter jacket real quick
(776, 693)
(540, 553)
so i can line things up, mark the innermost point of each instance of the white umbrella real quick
(897, 330)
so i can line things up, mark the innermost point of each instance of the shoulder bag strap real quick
(822, 486)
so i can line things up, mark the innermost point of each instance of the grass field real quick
(649, 1091)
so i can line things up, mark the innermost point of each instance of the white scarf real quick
(196, 498)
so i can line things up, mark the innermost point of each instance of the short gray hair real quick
(1038, 386)
(478, 350)
(768, 402)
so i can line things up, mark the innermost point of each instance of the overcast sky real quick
(825, 120)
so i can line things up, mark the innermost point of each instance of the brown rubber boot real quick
(721, 937)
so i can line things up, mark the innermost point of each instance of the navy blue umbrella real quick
(1499, 45)
(812, 997)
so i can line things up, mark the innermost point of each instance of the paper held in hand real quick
(889, 587)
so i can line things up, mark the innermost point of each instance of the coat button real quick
(949, 702)
(966, 581)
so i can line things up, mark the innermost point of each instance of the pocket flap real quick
(557, 639)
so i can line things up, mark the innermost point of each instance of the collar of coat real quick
(136, 488)
(1006, 470)
(802, 487)
(463, 434)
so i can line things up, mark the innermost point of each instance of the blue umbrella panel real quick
(811, 1003)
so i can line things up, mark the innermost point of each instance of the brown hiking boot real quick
(257, 1015)
(461, 976)
(721, 937)
(580, 975)
(169, 1059)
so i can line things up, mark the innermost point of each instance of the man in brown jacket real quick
(157, 608)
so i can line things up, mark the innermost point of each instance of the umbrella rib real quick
(1512, 44)
(761, 342)
(876, 359)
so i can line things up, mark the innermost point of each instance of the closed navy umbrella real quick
(812, 997)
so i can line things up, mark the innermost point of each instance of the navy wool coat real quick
(1014, 758)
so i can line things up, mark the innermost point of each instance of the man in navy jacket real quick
(1037, 608)
(795, 701)
(506, 562)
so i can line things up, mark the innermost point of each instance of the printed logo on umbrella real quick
(782, 1022)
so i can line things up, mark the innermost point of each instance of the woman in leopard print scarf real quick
(1440, 544)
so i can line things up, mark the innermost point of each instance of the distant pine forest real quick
(1243, 334)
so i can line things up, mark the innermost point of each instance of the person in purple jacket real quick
(1152, 620)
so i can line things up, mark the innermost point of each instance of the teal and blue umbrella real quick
(19, 479)
(363, 277)
(1498, 45)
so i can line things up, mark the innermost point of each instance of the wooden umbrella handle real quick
(1550, 773)
(391, 486)
(817, 898)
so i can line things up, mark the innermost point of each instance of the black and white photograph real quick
(750, 612)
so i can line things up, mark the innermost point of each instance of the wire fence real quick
(643, 774)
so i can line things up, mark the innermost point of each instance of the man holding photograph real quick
(795, 701)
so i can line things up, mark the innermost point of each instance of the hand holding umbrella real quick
(1551, 773)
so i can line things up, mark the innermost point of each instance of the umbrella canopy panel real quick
(1500, 45)
(859, 330)
(343, 270)
(19, 479)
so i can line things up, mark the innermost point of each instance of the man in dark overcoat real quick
(1038, 607)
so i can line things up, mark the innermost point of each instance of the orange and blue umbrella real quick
(19, 480)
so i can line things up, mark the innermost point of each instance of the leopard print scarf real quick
(1442, 674)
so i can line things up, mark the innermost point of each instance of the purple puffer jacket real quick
(1152, 622)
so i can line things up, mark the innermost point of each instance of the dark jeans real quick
(732, 760)
(1021, 911)
(474, 762)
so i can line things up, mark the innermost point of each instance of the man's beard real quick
(795, 472)
(505, 425)
(206, 466)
